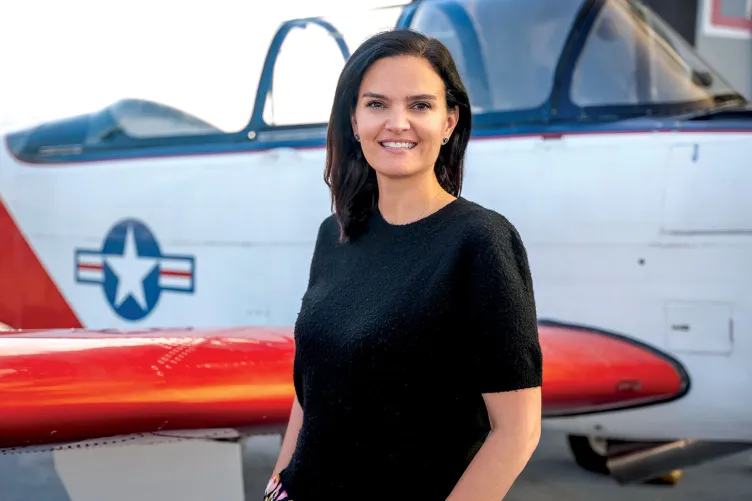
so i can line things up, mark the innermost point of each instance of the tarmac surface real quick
(551, 475)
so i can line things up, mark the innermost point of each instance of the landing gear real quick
(592, 453)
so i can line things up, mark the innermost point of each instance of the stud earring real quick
(357, 137)
(445, 140)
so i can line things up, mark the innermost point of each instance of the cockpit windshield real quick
(632, 57)
(509, 52)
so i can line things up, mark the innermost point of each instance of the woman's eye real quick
(418, 106)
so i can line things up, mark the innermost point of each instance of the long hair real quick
(351, 181)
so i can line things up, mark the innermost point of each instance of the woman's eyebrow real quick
(409, 98)
(421, 97)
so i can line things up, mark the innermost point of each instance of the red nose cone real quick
(589, 371)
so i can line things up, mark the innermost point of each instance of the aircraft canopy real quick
(523, 62)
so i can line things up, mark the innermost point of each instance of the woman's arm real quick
(515, 431)
(290, 438)
(505, 362)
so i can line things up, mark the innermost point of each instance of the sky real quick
(67, 57)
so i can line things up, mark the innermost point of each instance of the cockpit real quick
(539, 61)
(523, 62)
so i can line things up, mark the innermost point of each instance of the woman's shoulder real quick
(329, 224)
(483, 226)
(494, 251)
(328, 230)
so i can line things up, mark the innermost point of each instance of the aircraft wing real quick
(67, 386)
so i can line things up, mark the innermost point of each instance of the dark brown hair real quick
(352, 182)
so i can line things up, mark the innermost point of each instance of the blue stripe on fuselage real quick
(271, 139)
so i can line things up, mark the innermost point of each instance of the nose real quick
(397, 121)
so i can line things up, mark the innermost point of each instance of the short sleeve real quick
(504, 347)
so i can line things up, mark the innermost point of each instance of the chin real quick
(391, 167)
(396, 170)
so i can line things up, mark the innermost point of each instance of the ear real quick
(453, 118)
(354, 123)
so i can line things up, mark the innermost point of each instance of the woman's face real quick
(401, 116)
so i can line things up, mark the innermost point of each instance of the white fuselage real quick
(644, 234)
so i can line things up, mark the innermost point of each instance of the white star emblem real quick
(131, 270)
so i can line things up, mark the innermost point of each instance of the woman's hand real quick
(291, 437)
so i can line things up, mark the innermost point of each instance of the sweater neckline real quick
(414, 225)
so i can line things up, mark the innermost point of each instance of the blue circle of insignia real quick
(146, 247)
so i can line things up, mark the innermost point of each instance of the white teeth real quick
(390, 144)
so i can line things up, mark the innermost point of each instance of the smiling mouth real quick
(398, 145)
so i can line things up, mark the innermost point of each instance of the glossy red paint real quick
(586, 370)
(29, 299)
(70, 385)
(61, 386)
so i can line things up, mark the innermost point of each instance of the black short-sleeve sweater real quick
(399, 334)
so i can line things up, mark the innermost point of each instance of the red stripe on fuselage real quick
(29, 299)
(164, 273)
(96, 267)
(170, 273)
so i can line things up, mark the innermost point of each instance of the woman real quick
(417, 335)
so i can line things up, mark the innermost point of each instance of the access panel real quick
(699, 327)
(708, 187)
